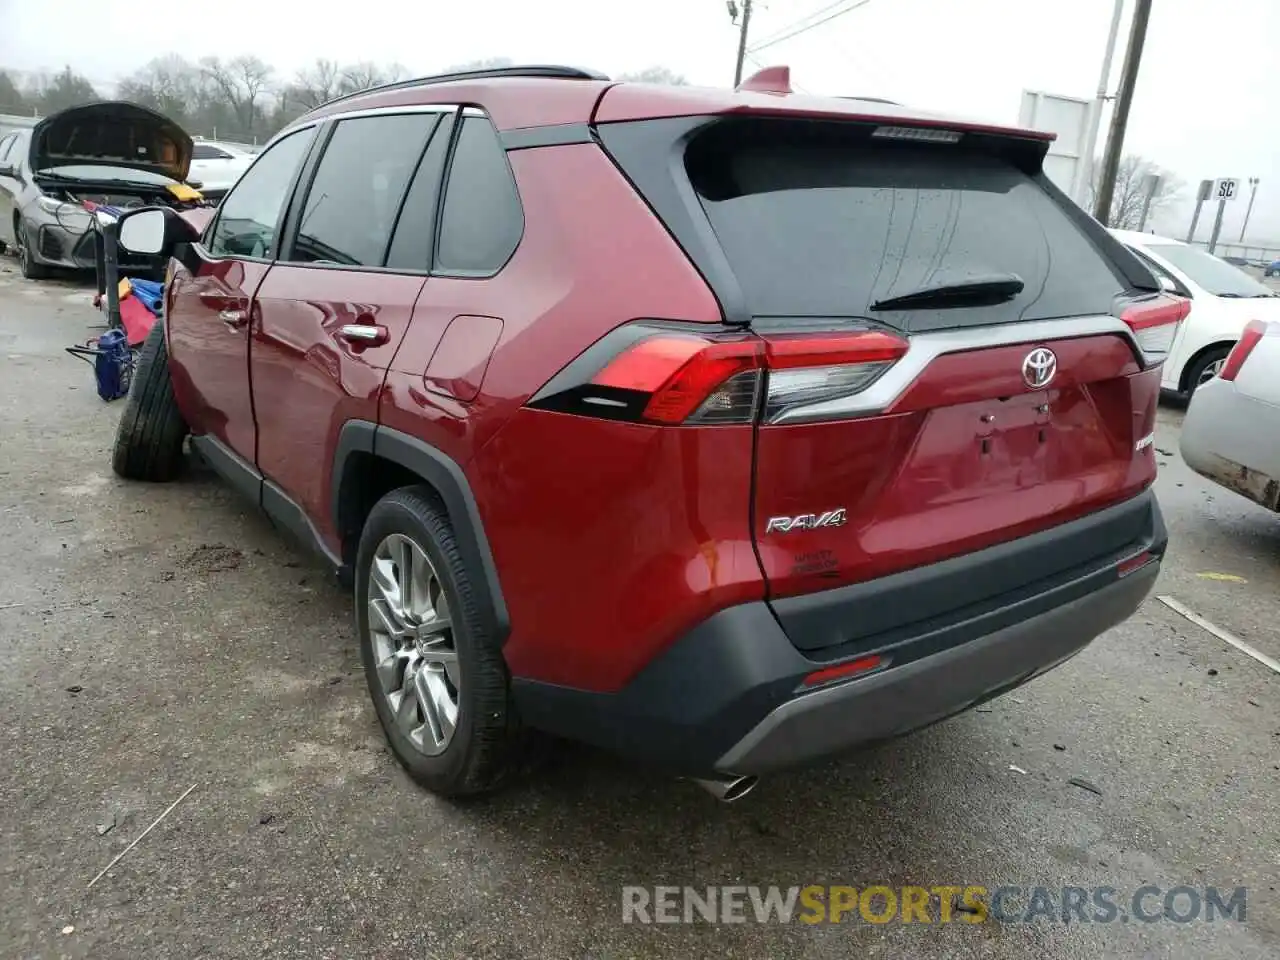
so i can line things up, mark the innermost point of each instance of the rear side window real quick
(816, 222)
(353, 201)
(202, 151)
(482, 221)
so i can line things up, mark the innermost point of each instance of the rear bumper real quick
(1228, 438)
(730, 697)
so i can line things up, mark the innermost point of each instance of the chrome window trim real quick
(368, 112)
(924, 348)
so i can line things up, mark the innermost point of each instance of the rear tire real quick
(1205, 368)
(410, 579)
(151, 430)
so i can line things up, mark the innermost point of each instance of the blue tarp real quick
(149, 293)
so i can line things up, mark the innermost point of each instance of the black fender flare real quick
(448, 479)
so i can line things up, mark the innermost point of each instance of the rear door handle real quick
(364, 334)
(235, 319)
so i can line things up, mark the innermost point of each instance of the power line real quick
(805, 19)
(809, 26)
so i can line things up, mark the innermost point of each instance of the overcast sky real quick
(1205, 106)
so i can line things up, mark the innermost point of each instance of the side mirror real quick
(143, 232)
(152, 231)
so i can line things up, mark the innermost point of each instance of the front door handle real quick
(364, 334)
(235, 319)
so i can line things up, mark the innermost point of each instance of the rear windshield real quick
(1216, 276)
(815, 223)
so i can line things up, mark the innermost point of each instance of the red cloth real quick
(136, 319)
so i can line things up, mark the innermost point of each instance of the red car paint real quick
(300, 363)
(612, 540)
(207, 328)
(969, 456)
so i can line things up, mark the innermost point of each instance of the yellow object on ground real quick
(184, 192)
(125, 288)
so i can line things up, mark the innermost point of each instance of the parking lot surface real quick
(158, 637)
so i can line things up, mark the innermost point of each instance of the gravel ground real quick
(152, 638)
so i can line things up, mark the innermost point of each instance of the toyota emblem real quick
(1039, 368)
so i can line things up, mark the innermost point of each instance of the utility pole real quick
(742, 36)
(1120, 118)
(1201, 196)
(1150, 184)
(1253, 194)
(1217, 224)
(1088, 155)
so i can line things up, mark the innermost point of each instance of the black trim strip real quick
(279, 507)
(240, 473)
(286, 513)
(917, 612)
(669, 714)
(450, 482)
(555, 135)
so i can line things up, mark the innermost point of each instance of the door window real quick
(416, 227)
(482, 220)
(250, 214)
(355, 197)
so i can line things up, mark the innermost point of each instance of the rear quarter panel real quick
(655, 521)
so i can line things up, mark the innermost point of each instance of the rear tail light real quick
(807, 369)
(1154, 321)
(1254, 331)
(664, 374)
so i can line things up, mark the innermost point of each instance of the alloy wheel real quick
(413, 644)
(1211, 371)
(24, 254)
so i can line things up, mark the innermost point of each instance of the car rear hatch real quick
(954, 356)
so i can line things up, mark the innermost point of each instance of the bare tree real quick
(364, 75)
(316, 85)
(169, 85)
(1131, 191)
(656, 75)
(240, 82)
(49, 94)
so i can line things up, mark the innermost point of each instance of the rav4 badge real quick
(807, 521)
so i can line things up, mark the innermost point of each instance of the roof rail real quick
(533, 70)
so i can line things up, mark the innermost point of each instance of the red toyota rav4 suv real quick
(724, 429)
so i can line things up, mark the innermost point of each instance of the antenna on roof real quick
(768, 80)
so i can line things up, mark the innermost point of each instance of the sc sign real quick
(1227, 188)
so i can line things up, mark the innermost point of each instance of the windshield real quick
(1216, 276)
(99, 172)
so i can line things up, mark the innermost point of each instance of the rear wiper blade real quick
(980, 290)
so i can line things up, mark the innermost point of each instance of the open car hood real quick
(112, 133)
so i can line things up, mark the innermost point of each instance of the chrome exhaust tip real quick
(727, 789)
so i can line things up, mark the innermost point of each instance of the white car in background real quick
(1231, 433)
(216, 166)
(1223, 299)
